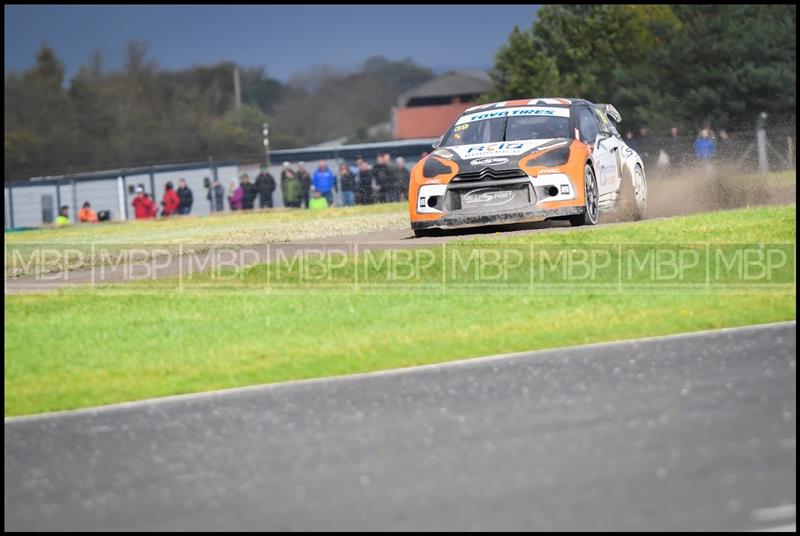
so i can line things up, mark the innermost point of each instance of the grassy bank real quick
(82, 348)
(251, 227)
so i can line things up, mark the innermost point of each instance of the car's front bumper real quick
(455, 221)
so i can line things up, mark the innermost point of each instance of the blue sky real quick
(282, 38)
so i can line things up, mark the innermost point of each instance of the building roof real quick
(449, 84)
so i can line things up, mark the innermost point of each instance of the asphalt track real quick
(690, 432)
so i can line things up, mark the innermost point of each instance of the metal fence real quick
(36, 201)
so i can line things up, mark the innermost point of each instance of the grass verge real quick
(83, 348)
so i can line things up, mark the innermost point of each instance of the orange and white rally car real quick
(527, 160)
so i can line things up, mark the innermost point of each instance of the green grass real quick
(82, 348)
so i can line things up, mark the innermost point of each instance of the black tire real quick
(627, 207)
(590, 209)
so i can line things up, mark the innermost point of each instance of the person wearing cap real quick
(265, 184)
(170, 202)
(63, 216)
(291, 187)
(305, 184)
(86, 214)
(143, 205)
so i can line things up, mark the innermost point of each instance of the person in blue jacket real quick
(324, 181)
(704, 146)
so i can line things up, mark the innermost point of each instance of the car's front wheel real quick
(590, 212)
(632, 193)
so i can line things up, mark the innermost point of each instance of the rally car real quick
(527, 160)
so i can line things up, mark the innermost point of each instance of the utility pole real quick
(265, 132)
(761, 140)
(237, 88)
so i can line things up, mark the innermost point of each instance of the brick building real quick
(428, 109)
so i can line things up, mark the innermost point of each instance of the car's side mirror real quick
(435, 145)
(601, 136)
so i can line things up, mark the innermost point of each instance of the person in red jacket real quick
(143, 206)
(170, 201)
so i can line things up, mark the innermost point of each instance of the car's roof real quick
(539, 101)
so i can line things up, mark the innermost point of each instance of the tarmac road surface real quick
(685, 432)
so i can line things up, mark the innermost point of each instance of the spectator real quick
(324, 181)
(644, 146)
(711, 134)
(152, 208)
(86, 214)
(265, 184)
(63, 216)
(216, 196)
(347, 181)
(143, 205)
(723, 147)
(170, 201)
(249, 193)
(704, 146)
(292, 189)
(364, 183)
(676, 148)
(317, 201)
(383, 177)
(235, 195)
(185, 198)
(401, 179)
(305, 183)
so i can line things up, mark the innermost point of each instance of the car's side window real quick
(605, 123)
(587, 125)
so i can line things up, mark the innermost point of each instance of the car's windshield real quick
(514, 124)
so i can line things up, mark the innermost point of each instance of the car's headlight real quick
(555, 157)
(434, 167)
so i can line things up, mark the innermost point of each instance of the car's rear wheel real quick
(590, 212)
(632, 203)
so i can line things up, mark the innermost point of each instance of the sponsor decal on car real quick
(479, 150)
(549, 170)
(489, 161)
(488, 197)
(513, 112)
(495, 147)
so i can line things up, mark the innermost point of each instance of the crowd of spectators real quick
(676, 150)
(357, 183)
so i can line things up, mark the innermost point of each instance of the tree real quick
(522, 71)
(726, 64)
(658, 64)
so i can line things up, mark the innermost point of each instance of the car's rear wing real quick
(611, 112)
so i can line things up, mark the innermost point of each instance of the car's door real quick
(613, 143)
(604, 151)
